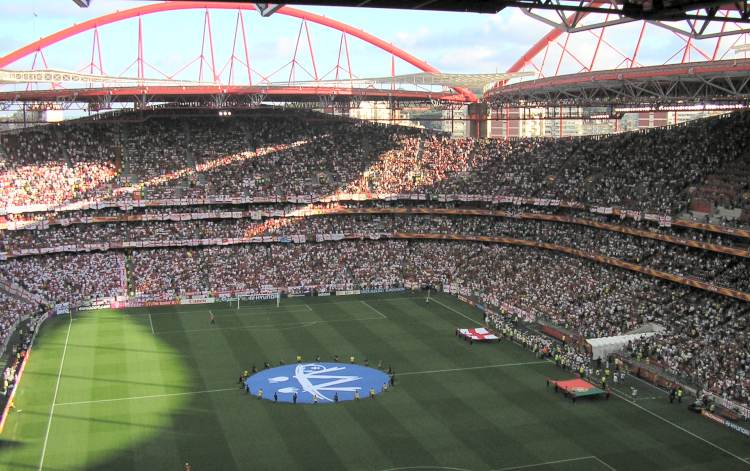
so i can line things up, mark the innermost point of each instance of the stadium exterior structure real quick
(571, 90)
(218, 92)
(724, 82)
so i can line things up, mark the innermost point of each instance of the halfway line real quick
(207, 391)
(468, 368)
(545, 463)
(147, 397)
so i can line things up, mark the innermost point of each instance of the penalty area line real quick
(679, 427)
(374, 309)
(153, 396)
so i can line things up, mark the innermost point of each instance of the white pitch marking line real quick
(281, 325)
(268, 310)
(207, 391)
(648, 384)
(610, 467)
(309, 308)
(457, 312)
(545, 463)
(680, 428)
(54, 397)
(374, 309)
(153, 396)
(449, 370)
(405, 468)
(151, 323)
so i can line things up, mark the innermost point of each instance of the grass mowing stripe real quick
(54, 397)
(546, 463)
(469, 368)
(681, 428)
(206, 391)
(371, 307)
(477, 420)
(281, 325)
(240, 312)
(457, 312)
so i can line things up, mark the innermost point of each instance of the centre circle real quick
(322, 383)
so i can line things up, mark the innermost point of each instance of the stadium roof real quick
(428, 79)
(717, 82)
(698, 12)
(476, 6)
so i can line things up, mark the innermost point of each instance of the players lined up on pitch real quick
(262, 152)
(576, 361)
(346, 383)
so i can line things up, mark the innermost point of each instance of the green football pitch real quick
(149, 389)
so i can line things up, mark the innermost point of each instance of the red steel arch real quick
(544, 42)
(590, 45)
(190, 5)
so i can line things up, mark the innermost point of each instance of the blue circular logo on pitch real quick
(317, 382)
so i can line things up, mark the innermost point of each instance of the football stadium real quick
(482, 235)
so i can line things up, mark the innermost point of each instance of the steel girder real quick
(720, 82)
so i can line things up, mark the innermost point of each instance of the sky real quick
(452, 42)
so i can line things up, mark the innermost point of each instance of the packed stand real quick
(716, 268)
(69, 278)
(270, 152)
(52, 165)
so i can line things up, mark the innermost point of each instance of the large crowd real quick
(68, 278)
(717, 268)
(704, 338)
(54, 165)
(266, 153)
(12, 310)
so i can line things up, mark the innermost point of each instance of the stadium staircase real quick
(191, 162)
(547, 186)
(729, 181)
(60, 137)
(128, 270)
(3, 153)
(125, 175)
